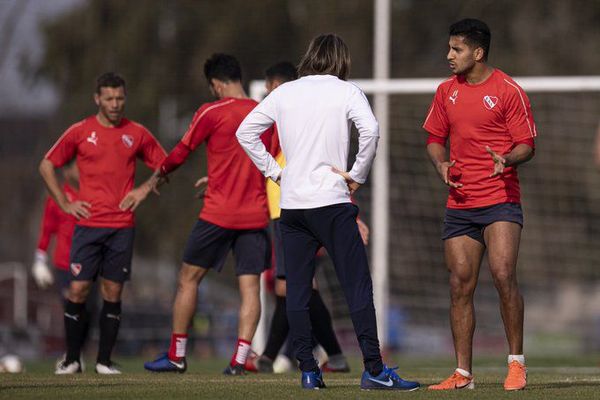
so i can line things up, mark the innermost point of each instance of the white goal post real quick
(380, 232)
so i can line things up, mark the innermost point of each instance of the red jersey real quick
(235, 197)
(55, 222)
(106, 158)
(494, 113)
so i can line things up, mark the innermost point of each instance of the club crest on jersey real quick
(127, 140)
(490, 102)
(93, 139)
(454, 96)
(75, 268)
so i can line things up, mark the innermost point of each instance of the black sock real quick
(321, 324)
(85, 330)
(279, 329)
(74, 324)
(110, 318)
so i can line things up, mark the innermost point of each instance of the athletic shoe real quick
(67, 369)
(107, 369)
(336, 364)
(237, 369)
(164, 364)
(251, 362)
(63, 358)
(313, 380)
(456, 381)
(517, 376)
(262, 364)
(386, 380)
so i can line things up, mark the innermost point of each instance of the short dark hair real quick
(109, 79)
(326, 55)
(286, 71)
(475, 33)
(223, 67)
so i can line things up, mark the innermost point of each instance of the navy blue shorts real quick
(101, 251)
(278, 248)
(209, 244)
(473, 221)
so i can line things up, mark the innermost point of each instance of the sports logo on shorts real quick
(75, 268)
(127, 140)
(490, 102)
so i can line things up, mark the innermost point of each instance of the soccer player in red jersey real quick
(488, 119)
(56, 223)
(234, 216)
(105, 146)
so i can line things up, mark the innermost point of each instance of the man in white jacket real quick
(314, 115)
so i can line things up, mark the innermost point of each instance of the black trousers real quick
(333, 227)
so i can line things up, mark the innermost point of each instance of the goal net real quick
(559, 262)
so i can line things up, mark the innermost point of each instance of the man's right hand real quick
(443, 170)
(79, 209)
(41, 271)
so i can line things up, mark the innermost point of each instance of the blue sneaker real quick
(386, 380)
(313, 380)
(163, 364)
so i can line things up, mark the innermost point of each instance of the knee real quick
(112, 292)
(462, 287)
(505, 280)
(78, 293)
(189, 278)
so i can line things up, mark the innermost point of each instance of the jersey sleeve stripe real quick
(191, 128)
(62, 137)
(531, 131)
(429, 114)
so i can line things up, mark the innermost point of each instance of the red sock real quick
(241, 352)
(177, 347)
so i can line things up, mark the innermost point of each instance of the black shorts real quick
(208, 245)
(473, 221)
(101, 251)
(278, 249)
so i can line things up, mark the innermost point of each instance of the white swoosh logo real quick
(73, 317)
(389, 382)
(178, 365)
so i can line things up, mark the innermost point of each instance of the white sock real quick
(463, 372)
(242, 351)
(516, 357)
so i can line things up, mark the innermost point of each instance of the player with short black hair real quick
(474, 32)
(234, 215)
(105, 146)
(487, 117)
(222, 67)
(110, 80)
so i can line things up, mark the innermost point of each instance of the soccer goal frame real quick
(380, 178)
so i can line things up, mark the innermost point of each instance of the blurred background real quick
(51, 51)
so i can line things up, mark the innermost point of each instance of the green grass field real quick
(574, 378)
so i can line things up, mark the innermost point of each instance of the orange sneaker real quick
(456, 381)
(517, 376)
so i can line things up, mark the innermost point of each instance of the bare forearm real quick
(437, 154)
(520, 154)
(49, 175)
